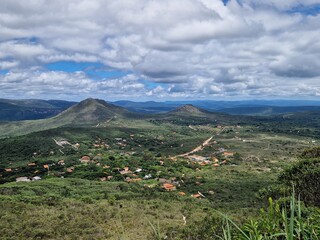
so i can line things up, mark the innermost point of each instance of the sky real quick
(160, 49)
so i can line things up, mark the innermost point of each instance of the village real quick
(151, 171)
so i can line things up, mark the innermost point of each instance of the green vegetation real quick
(14, 110)
(188, 174)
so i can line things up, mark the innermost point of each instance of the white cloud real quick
(197, 48)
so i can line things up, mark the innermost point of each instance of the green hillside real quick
(100, 171)
(30, 109)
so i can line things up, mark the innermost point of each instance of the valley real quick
(98, 171)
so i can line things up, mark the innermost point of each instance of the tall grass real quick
(277, 223)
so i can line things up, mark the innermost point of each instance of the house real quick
(168, 187)
(125, 170)
(46, 166)
(204, 163)
(61, 162)
(182, 193)
(214, 159)
(197, 195)
(216, 165)
(133, 180)
(32, 164)
(36, 178)
(148, 176)
(23, 179)
(8, 169)
(228, 154)
(70, 170)
(85, 159)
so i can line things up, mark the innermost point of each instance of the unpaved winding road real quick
(200, 147)
(197, 149)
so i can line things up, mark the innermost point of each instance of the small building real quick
(228, 154)
(148, 176)
(197, 195)
(85, 159)
(214, 159)
(133, 180)
(8, 169)
(168, 187)
(46, 166)
(32, 164)
(36, 178)
(23, 179)
(125, 170)
(61, 162)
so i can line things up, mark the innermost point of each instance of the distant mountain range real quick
(31, 109)
(98, 113)
(245, 107)
(15, 110)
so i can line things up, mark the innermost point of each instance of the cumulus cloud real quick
(170, 48)
(61, 85)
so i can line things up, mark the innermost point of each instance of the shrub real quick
(305, 176)
(283, 223)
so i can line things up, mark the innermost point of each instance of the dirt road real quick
(197, 149)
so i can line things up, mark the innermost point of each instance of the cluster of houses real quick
(172, 187)
(99, 143)
(206, 161)
(131, 176)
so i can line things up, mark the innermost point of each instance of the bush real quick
(278, 222)
(305, 176)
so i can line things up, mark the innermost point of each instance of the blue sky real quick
(160, 50)
(306, 10)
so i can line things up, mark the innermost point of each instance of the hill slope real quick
(188, 109)
(31, 109)
(88, 112)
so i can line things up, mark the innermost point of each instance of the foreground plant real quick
(278, 222)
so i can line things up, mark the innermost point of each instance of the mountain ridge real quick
(91, 111)
(189, 109)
